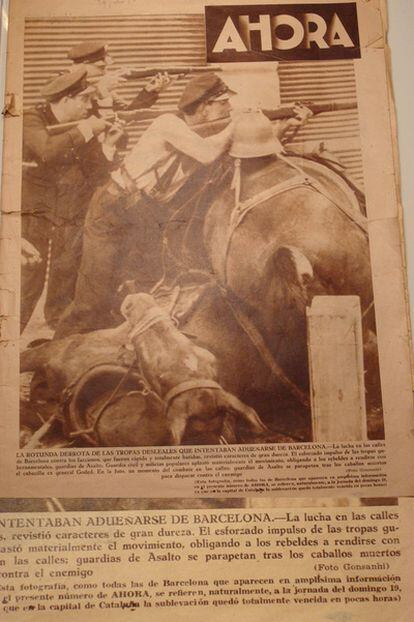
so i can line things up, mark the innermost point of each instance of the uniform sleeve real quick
(95, 165)
(45, 148)
(180, 136)
(144, 99)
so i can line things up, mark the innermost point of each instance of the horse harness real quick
(301, 180)
(150, 319)
(240, 210)
(238, 214)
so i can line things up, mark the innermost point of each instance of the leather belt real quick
(129, 184)
(190, 385)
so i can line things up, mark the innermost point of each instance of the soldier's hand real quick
(109, 82)
(158, 83)
(302, 115)
(113, 135)
(29, 254)
(94, 124)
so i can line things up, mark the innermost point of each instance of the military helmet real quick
(253, 136)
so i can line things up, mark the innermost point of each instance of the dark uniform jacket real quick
(64, 162)
(144, 99)
(52, 164)
(60, 174)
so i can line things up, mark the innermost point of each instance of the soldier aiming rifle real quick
(132, 207)
(53, 168)
(94, 55)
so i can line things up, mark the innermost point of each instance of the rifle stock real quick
(60, 128)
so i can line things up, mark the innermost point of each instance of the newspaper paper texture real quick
(257, 558)
(202, 246)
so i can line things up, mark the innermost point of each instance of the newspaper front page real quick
(204, 261)
(202, 246)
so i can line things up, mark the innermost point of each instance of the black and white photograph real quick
(195, 258)
(206, 358)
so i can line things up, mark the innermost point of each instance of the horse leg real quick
(177, 417)
(232, 405)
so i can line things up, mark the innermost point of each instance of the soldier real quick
(96, 58)
(47, 159)
(133, 201)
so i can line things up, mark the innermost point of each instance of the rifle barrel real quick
(286, 112)
(59, 128)
(148, 72)
(145, 114)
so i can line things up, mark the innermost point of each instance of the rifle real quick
(149, 72)
(287, 112)
(277, 114)
(60, 128)
(145, 114)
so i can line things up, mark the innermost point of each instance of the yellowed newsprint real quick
(202, 262)
(254, 559)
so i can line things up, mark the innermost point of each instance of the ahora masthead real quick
(272, 32)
